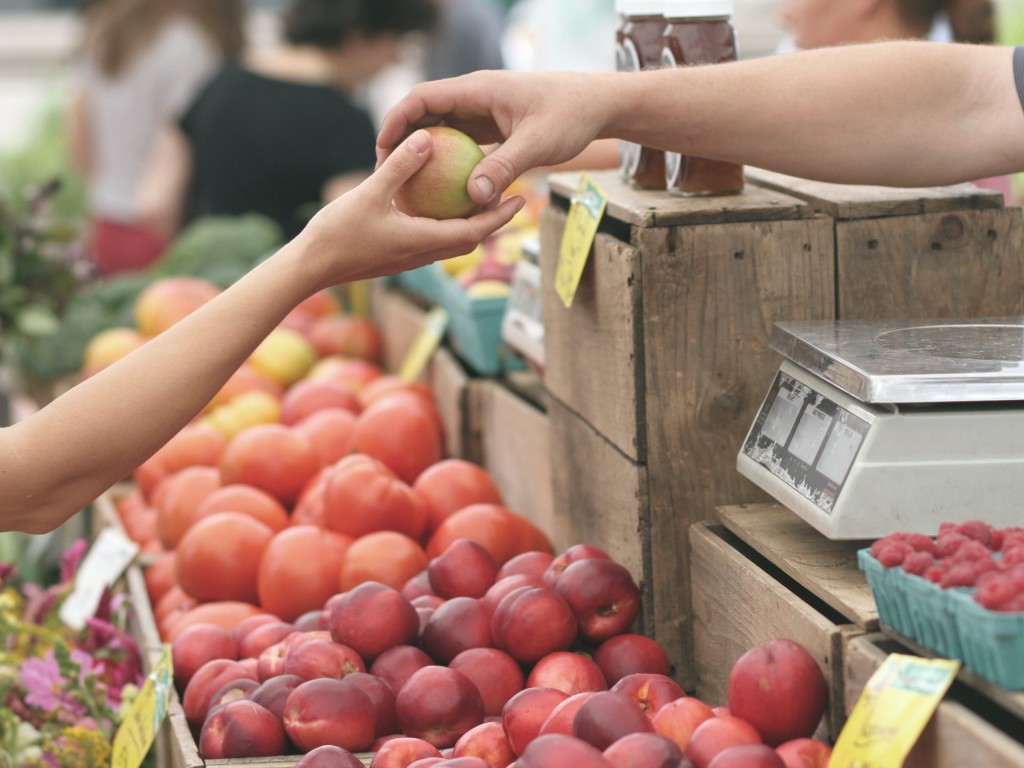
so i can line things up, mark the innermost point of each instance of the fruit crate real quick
(949, 622)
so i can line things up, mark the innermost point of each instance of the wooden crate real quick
(664, 353)
(761, 573)
(976, 724)
(508, 436)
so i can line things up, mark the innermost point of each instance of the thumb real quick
(399, 166)
(499, 169)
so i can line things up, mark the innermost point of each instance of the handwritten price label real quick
(892, 711)
(138, 729)
(585, 212)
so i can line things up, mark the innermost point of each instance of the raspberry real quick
(946, 527)
(963, 574)
(935, 572)
(1015, 603)
(917, 562)
(1012, 537)
(994, 592)
(1014, 555)
(892, 554)
(972, 550)
(948, 543)
(893, 539)
(977, 530)
(922, 543)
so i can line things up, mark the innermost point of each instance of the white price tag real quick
(110, 555)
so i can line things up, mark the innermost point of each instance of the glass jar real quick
(639, 40)
(699, 32)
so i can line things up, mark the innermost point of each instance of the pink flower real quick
(71, 559)
(46, 688)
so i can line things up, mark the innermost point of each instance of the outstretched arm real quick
(895, 113)
(64, 456)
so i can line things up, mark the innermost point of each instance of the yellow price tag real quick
(138, 729)
(359, 298)
(892, 711)
(425, 344)
(585, 212)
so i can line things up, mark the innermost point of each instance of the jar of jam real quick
(699, 32)
(638, 45)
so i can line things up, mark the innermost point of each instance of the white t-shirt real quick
(126, 112)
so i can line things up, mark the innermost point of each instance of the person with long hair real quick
(141, 62)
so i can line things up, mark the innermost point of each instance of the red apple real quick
(567, 671)
(372, 617)
(396, 665)
(329, 756)
(524, 715)
(322, 658)
(645, 750)
(779, 689)
(574, 553)
(649, 690)
(206, 681)
(678, 719)
(329, 711)
(805, 753)
(438, 704)
(717, 735)
(627, 654)
(563, 716)
(606, 717)
(487, 741)
(747, 756)
(602, 595)
(531, 622)
(241, 728)
(273, 693)
(196, 645)
(457, 625)
(402, 752)
(532, 563)
(496, 675)
(556, 750)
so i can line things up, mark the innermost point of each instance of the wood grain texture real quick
(932, 265)
(737, 606)
(593, 351)
(450, 384)
(860, 201)
(826, 568)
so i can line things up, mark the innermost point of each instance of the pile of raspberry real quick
(970, 554)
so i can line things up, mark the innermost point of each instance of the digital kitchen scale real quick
(872, 427)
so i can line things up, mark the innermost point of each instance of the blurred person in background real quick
(820, 23)
(141, 63)
(468, 37)
(279, 132)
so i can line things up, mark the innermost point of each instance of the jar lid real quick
(685, 9)
(639, 7)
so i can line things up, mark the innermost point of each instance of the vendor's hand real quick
(536, 120)
(361, 234)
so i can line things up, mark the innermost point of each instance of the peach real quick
(563, 560)
(496, 675)
(716, 735)
(396, 665)
(371, 618)
(463, 569)
(524, 715)
(403, 751)
(649, 690)
(258, 639)
(644, 750)
(503, 586)
(241, 729)
(531, 622)
(456, 625)
(206, 681)
(804, 753)
(195, 646)
(628, 653)
(532, 563)
(438, 704)
(556, 750)
(747, 756)
(233, 691)
(438, 189)
(273, 693)
(417, 586)
(606, 717)
(326, 711)
(329, 756)
(322, 658)
(602, 595)
(563, 716)
(567, 671)
(382, 698)
(486, 741)
(677, 720)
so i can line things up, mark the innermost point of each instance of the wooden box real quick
(761, 573)
(976, 724)
(662, 361)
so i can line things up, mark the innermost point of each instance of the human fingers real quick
(399, 166)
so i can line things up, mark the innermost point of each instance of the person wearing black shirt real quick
(279, 134)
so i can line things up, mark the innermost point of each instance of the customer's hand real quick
(535, 119)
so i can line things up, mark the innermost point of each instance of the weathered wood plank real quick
(826, 568)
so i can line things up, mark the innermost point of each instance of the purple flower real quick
(120, 658)
(71, 559)
(7, 571)
(47, 689)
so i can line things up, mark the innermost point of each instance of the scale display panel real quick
(806, 440)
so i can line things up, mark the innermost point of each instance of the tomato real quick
(194, 445)
(272, 457)
(452, 484)
(330, 431)
(308, 396)
(160, 576)
(226, 614)
(362, 496)
(177, 499)
(299, 570)
(248, 500)
(401, 432)
(389, 384)
(500, 531)
(389, 557)
(219, 557)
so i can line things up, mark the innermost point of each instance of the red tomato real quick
(218, 557)
(299, 570)
(452, 484)
(401, 432)
(362, 496)
(272, 457)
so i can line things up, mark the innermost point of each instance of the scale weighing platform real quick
(875, 426)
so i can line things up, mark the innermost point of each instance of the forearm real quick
(63, 457)
(904, 114)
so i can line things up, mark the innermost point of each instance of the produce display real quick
(960, 594)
